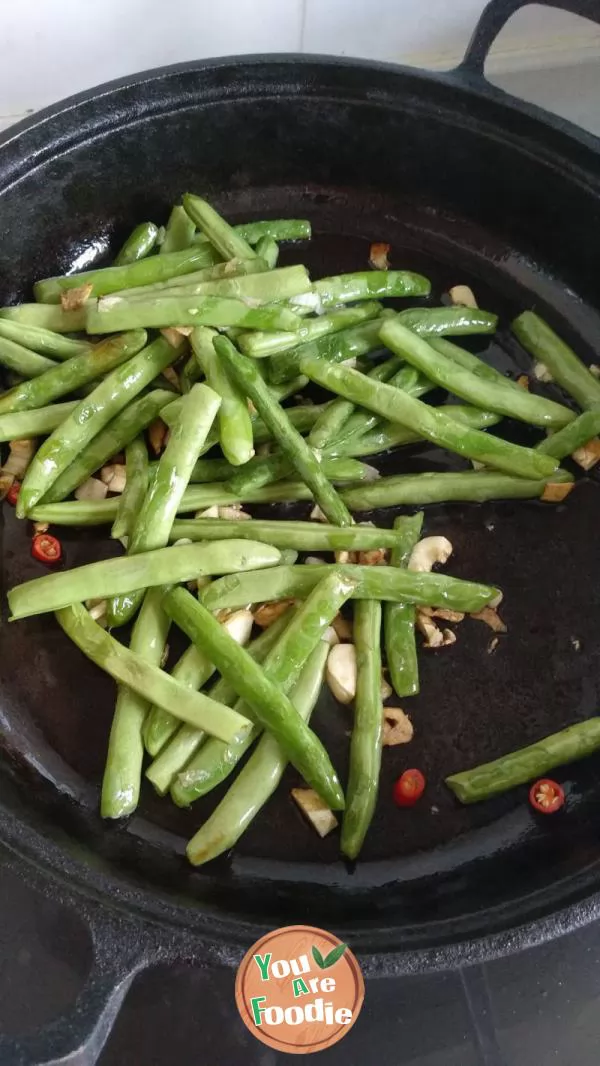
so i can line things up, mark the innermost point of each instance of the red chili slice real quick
(546, 796)
(13, 493)
(409, 788)
(46, 549)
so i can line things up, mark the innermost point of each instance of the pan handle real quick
(77, 1037)
(495, 16)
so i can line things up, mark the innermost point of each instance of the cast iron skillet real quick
(468, 186)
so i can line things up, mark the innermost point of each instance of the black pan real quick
(468, 186)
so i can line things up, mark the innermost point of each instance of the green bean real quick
(123, 770)
(388, 435)
(67, 443)
(572, 437)
(261, 345)
(148, 681)
(130, 501)
(280, 229)
(267, 287)
(108, 442)
(302, 418)
(18, 359)
(71, 375)
(112, 577)
(190, 374)
(50, 317)
(431, 423)
(164, 494)
(461, 382)
(440, 321)
(179, 234)
(118, 312)
(207, 470)
(235, 424)
(466, 485)
(195, 282)
(185, 744)
(406, 378)
(367, 732)
(566, 367)
(370, 285)
(193, 670)
(24, 425)
(282, 666)
(249, 380)
(221, 235)
(77, 512)
(568, 745)
(264, 470)
(268, 249)
(352, 342)
(335, 417)
(259, 778)
(376, 583)
(303, 536)
(138, 245)
(471, 362)
(399, 618)
(288, 388)
(271, 707)
(42, 340)
(143, 272)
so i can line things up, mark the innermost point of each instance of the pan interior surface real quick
(426, 870)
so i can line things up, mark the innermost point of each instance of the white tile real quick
(52, 48)
(435, 33)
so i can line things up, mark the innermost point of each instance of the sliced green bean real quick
(568, 745)
(347, 341)
(259, 778)
(441, 321)
(574, 436)
(399, 618)
(302, 418)
(303, 536)
(40, 340)
(138, 245)
(111, 440)
(51, 317)
(270, 706)
(376, 583)
(566, 367)
(71, 375)
(186, 742)
(235, 424)
(123, 770)
(268, 249)
(488, 395)
(195, 282)
(280, 229)
(131, 499)
(471, 362)
(268, 286)
(304, 460)
(261, 345)
(144, 272)
(406, 378)
(431, 423)
(335, 417)
(179, 234)
(468, 485)
(117, 312)
(148, 681)
(24, 425)
(370, 285)
(21, 361)
(165, 491)
(112, 577)
(367, 731)
(388, 435)
(90, 417)
(269, 468)
(221, 235)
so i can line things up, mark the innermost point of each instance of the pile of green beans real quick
(240, 340)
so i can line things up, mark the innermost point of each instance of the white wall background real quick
(52, 48)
